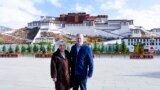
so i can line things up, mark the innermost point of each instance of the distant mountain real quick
(4, 29)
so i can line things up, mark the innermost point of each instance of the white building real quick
(34, 24)
(115, 28)
(109, 28)
(74, 23)
(46, 25)
(149, 43)
(83, 23)
(4, 29)
(155, 31)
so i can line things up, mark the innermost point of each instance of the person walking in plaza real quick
(81, 63)
(60, 72)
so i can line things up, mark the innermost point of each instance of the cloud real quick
(111, 4)
(148, 18)
(83, 8)
(55, 3)
(16, 13)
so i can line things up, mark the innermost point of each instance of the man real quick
(81, 63)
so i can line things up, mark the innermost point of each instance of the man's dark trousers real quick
(80, 82)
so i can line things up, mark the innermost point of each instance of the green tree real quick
(116, 48)
(102, 48)
(136, 49)
(53, 48)
(141, 49)
(17, 49)
(29, 48)
(120, 48)
(127, 50)
(10, 49)
(23, 49)
(49, 48)
(106, 49)
(44, 43)
(113, 48)
(42, 48)
(4, 48)
(109, 49)
(95, 49)
(123, 47)
(35, 48)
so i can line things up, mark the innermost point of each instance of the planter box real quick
(143, 56)
(43, 55)
(8, 55)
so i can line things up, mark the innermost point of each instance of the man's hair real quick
(79, 35)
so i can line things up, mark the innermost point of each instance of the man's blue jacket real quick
(82, 62)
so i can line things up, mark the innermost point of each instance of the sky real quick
(17, 13)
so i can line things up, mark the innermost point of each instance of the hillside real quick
(10, 40)
(26, 33)
(23, 34)
(19, 36)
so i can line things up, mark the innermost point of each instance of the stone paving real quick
(110, 73)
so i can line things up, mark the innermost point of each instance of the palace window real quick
(143, 40)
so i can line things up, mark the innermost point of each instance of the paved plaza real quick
(110, 73)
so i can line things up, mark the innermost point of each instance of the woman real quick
(60, 67)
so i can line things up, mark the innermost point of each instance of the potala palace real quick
(100, 25)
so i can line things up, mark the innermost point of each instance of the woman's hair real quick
(61, 42)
